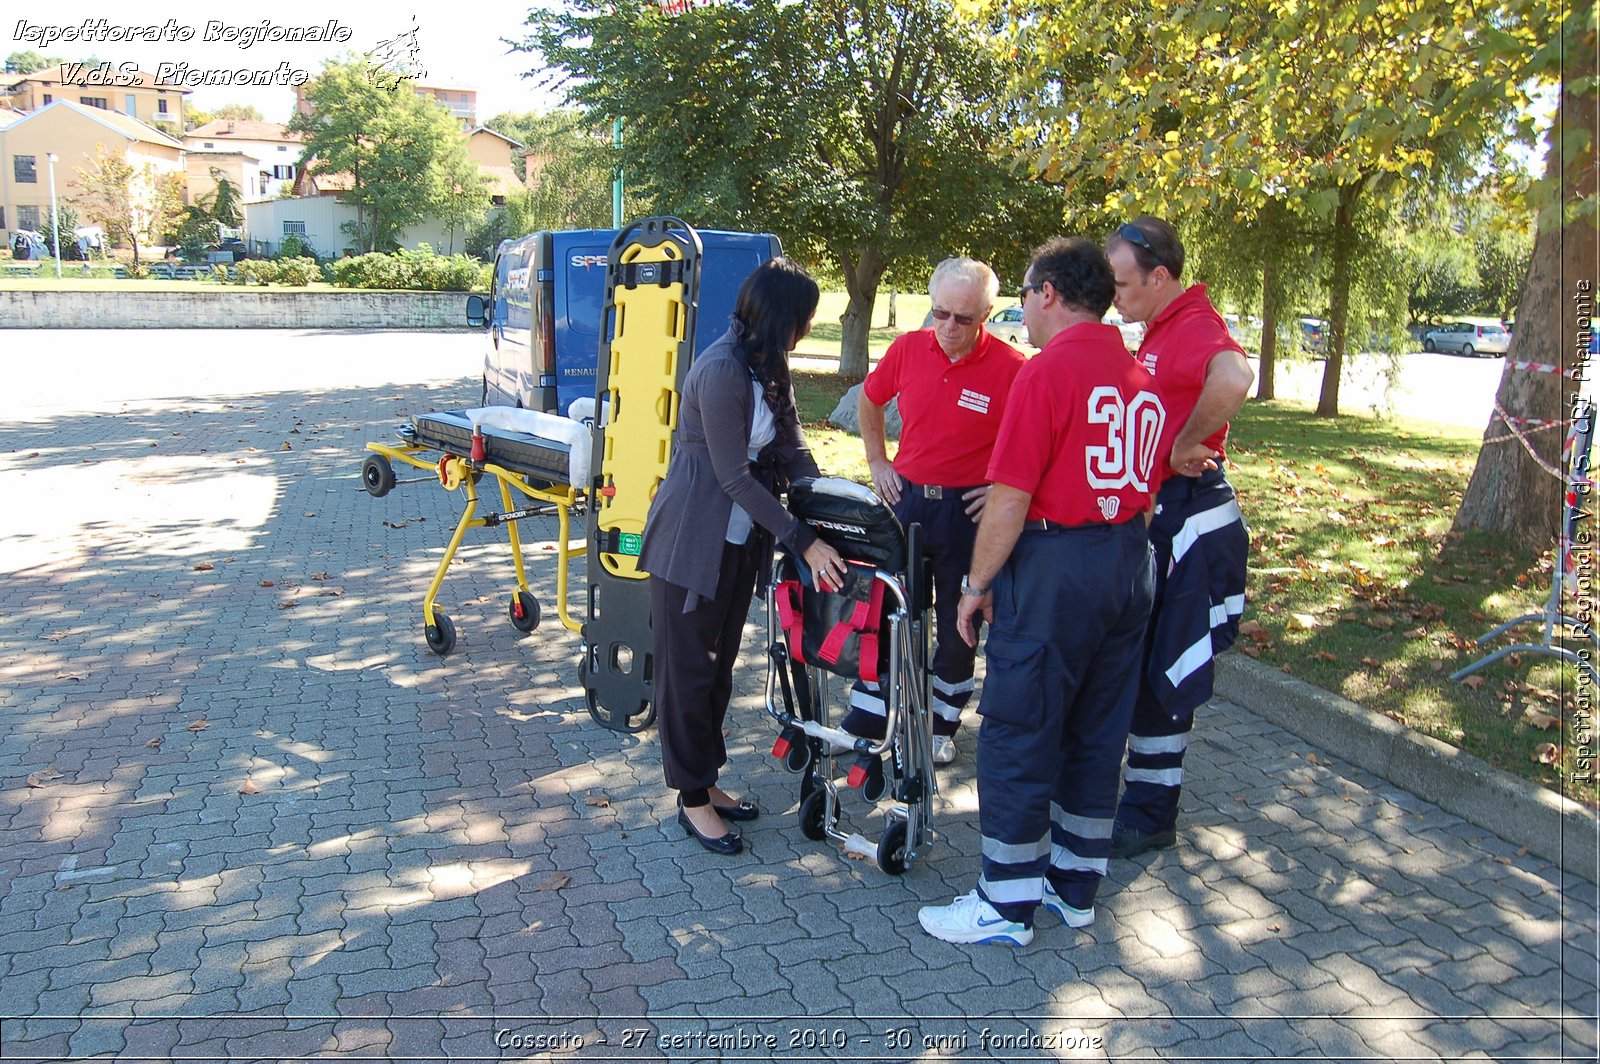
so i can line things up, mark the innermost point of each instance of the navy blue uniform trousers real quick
(1070, 608)
(948, 534)
(1201, 549)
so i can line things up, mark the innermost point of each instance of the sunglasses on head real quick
(1135, 236)
(940, 314)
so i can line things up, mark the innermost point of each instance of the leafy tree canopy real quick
(860, 131)
(405, 155)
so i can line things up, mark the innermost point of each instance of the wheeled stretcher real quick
(540, 462)
(874, 628)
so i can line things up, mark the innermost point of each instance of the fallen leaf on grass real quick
(1380, 621)
(1417, 633)
(204, 567)
(1546, 753)
(200, 725)
(1474, 681)
(1540, 720)
(1323, 655)
(554, 881)
(1372, 663)
(1254, 632)
(1249, 651)
(1396, 681)
(599, 801)
(1302, 622)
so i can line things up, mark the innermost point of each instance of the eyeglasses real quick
(1135, 236)
(963, 320)
(1022, 293)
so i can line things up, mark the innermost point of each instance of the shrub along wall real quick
(229, 307)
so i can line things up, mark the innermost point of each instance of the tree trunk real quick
(861, 280)
(894, 290)
(1268, 363)
(1339, 299)
(1511, 491)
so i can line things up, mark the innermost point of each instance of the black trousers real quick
(694, 655)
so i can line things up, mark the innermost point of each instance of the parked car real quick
(1467, 338)
(1314, 337)
(26, 245)
(1132, 331)
(1007, 325)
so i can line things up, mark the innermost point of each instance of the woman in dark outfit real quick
(711, 528)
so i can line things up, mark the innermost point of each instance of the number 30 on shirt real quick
(1133, 429)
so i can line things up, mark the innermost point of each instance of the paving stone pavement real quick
(245, 814)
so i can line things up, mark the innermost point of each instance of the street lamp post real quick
(55, 216)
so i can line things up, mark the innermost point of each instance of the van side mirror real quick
(477, 311)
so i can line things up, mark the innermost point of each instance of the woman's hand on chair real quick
(827, 566)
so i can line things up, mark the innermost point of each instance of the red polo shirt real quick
(1178, 346)
(949, 411)
(1080, 430)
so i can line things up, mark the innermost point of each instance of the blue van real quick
(544, 310)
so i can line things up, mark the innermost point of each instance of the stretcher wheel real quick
(441, 634)
(812, 813)
(528, 606)
(892, 848)
(377, 476)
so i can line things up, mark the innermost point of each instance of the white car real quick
(1007, 325)
(1467, 338)
(1132, 331)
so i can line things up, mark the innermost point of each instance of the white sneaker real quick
(971, 919)
(944, 749)
(1072, 917)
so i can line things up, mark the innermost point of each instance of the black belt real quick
(935, 491)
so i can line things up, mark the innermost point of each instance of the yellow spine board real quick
(641, 385)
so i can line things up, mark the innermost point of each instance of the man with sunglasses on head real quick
(1197, 531)
(952, 381)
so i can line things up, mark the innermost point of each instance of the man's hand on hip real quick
(885, 481)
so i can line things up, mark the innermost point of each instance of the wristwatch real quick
(968, 589)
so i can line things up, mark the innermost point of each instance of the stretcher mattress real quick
(532, 456)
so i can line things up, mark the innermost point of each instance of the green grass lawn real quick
(1356, 583)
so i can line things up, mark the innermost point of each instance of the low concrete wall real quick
(232, 308)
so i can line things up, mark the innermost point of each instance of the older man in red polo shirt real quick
(952, 382)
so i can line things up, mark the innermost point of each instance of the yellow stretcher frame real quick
(642, 393)
(457, 473)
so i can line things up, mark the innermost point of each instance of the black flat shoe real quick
(727, 844)
(741, 812)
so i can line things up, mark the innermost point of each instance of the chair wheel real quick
(377, 476)
(799, 757)
(892, 848)
(524, 611)
(812, 813)
(441, 634)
